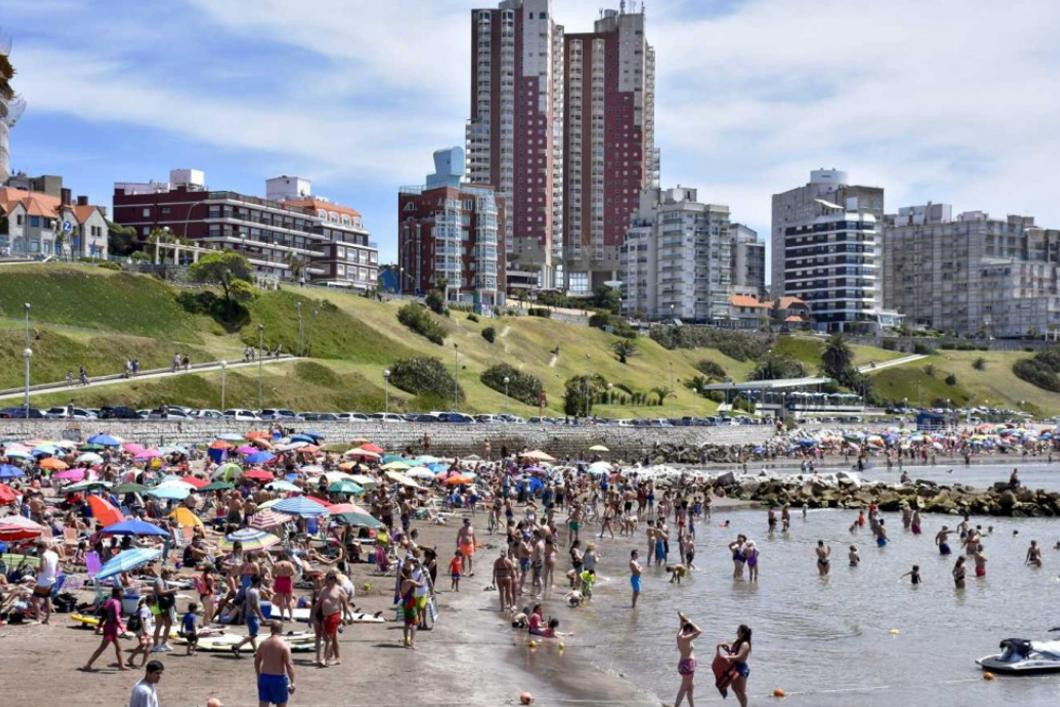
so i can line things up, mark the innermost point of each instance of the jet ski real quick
(1022, 657)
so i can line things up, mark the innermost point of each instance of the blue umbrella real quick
(105, 441)
(134, 526)
(260, 457)
(127, 561)
(300, 506)
(46, 450)
(172, 492)
(313, 433)
(10, 472)
(304, 438)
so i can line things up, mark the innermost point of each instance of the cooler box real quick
(129, 603)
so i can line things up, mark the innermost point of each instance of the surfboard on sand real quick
(300, 642)
(302, 614)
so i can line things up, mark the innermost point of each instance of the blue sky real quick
(951, 100)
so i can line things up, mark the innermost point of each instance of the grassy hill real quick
(87, 315)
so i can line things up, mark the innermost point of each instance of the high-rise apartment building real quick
(973, 274)
(514, 135)
(826, 250)
(677, 258)
(609, 153)
(449, 235)
(748, 261)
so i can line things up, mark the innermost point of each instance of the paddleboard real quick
(302, 614)
(721, 667)
(90, 621)
(301, 642)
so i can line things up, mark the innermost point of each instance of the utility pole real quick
(456, 376)
(506, 381)
(386, 390)
(27, 308)
(301, 346)
(261, 356)
(27, 353)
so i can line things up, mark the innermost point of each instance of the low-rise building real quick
(38, 224)
(450, 236)
(749, 312)
(677, 258)
(295, 237)
(971, 275)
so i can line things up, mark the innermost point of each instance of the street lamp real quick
(261, 356)
(456, 375)
(386, 390)
(27, 308)
(609, 396)
(507, 380)
(27, 353)
(224, 371)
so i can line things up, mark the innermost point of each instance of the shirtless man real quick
(980, 561)
(1034, 554)
(940, 539)
(251, 615)
(465, 542)
(283, 586)
(330, 605)
(824, 552)
(634, 576)
(537, 561)
(650, 534)
(274, 668)
(686, 666)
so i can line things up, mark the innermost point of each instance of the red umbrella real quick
(259, 475)
(369, 447)
(220, 444)
(7, 494)
(18, 528)
(194, 481)
(104, 512)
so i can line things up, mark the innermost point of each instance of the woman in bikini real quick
(738, 558)
(737, 653)
(958, 573)
(687, 632)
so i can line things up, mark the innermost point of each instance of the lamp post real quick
(585, 385)
(298, 309)
(456, 375)
(27, 306)
(224, 372)
(386, 390)
(261, 356)
(610, 400)
(27, 353)
(507, 380)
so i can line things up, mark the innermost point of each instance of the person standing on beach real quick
(112, 627)
(738, 558)
(687, 632)
(650, 534)
(283, 585)
(274, 668)
(824, 552)
(329, 607)
(634, 575)
(737, 654)
(47, 574)
(785, 517)
(252, 615)
(465, 542)
(504, 580)
(144, 693)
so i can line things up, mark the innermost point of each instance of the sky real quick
(954, 101)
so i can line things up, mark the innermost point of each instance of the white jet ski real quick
(1022, 657)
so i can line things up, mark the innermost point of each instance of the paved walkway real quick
(114, 379)
(880, 365)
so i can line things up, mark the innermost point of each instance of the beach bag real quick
(133, 624)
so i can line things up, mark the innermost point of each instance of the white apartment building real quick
(677, 258)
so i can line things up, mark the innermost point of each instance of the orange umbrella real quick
(457, 480)
(104, 512)
(220, 444)
(53, 463)
(258, 434)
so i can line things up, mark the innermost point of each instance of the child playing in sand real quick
(189, 628)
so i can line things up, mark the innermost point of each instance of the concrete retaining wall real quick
(558, 440)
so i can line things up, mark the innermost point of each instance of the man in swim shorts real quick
(940, 539)
(465, 542)
(283, 586)
(634, 575)
(824, 552)
(274, 668)
(330, 603)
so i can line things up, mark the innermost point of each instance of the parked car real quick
(457, 417)
(486, 419)
(21, 412)
(319, 416)
(240, 414)
(512, 419)
(352, 416)
(69, 412)
(386, 417)
(422, 417)
(278, 414)
(207, 414)
(168, 413)
(117, 412)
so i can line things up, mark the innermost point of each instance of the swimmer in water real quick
(1034, 554)
(823, 554)
(634, 575)
(913, 575)
(855, 558)
(980, 562)
(881, 534)
(940, 540)
(958, 573)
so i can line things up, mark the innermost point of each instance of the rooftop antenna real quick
(622, 7)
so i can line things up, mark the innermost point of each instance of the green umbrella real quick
(91, 447)
(228, 471)
(129, 488)
(345, 486)
(358, 519)
(216, 486)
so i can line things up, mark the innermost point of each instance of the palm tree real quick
(662, 392)
(623, 349)
(7, 72)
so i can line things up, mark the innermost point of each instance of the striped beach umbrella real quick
(252, 540)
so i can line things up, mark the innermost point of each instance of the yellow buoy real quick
(532, 644)
(562, 645)
(987, 675)
(778, 692)
(894, 632)
(367, 587)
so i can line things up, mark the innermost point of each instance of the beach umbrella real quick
(104, 511)
(42, 450)
(369, 447)
(227, 472)
(260, 458)
(247, 449)
(89, 458)
(366, 481)
(7, 495)
(537, 455)
(345, 486)
(14, 528)
(91, 448)
(216, 486)
(134, 526)
(148, 454)
(259, 475)
(361, 453)
(10, 472)
(232, 437)
(396, 465)
(281, 485)
(127, 561)
(86, 485)
(309, 439)
(104, 440)
(185, 517)
(420, 472)
(171, 492)
(132, 447)
(599, 468)
(17, 454)
(426, 460)
(129, 488)
(220, 444)
(457, 480)
(252, 540)
(267, 518)
(171, 449)
(53, 464)
(300, 506)
(389, 458)
(352, 514)
(69, 475)
(598, 448)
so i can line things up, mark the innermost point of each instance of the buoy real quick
(778, 692)
(894, 632)
(532, 644)
(562, 645)
(525, 698)
(987, 675)
(367, 587)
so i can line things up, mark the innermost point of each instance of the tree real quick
(837, 360)
(662, 392)
(435, 301)
(221, 269)
(7, 72)
(607, 298)
(979, 364)
(623, 348)
(121, 240)
(776, 366)
(297, 265)
(580, 392)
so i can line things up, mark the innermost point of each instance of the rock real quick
(726, 479)
(1007, 499)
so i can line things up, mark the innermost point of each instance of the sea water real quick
(860, 636)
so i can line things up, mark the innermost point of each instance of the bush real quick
(776, 366)
(472, 317)
(435, 301)
(108, 265)
(424, 376)
(979, 364)
(951, 379)
(229, 313)
(711, 369)
(543, 312)
(734, 344)
(929, 370)
(1041, 370)
(623, 348)
(890, 344)
(418, 320)
(924, 349)
(521, 386)
(489, 334)
(575, 390)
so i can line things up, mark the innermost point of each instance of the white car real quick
(208, 414)
(352, 416)
(240, 414)
(69, 412)
(386, 417)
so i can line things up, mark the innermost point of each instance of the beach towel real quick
(724, 674)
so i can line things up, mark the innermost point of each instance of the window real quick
(18, 221)
(165, 210)
(146, 213)
(34, 221)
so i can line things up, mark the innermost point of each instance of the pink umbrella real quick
(70, 475)
(148, 454)
(133, 447)
(18, 528)
(248, 449)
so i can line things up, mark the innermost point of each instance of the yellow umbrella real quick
(598, 448)
(185, 517)
(396, 466)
